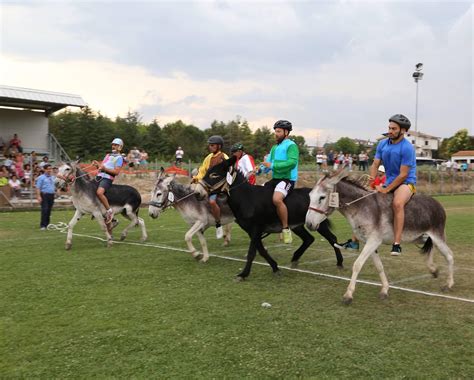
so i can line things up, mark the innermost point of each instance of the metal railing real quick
(56, 151)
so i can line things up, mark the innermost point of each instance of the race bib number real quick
(334, 200)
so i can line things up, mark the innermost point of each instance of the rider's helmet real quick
(215, 140)
(401, 120)
(283, 124)
(117, 141)
(236, 147)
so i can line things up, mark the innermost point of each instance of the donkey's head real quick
(160, 196)
(217, 178)
(319, 208)
(65, 175)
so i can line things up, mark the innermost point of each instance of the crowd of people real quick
(20, 171)
(334, 159)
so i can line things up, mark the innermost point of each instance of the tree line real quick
(88, 134)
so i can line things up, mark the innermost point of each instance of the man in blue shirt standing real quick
(399, 159)
(45, 195)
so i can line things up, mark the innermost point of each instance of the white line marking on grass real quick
(326, 275)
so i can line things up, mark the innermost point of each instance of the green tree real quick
(346, 145)
(460, 141)
(304, 152)
(263, 142)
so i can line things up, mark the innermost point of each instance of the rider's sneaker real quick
(219, 232)
(396, 250)
(287, 238)
(109, 215)
(349, 245)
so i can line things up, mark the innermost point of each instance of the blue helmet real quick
(117, 141)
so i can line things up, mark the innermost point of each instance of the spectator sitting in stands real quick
(27, 175)
(15, 144)
(15, 186)
(44, 162)
(8, 162)
(4, 175)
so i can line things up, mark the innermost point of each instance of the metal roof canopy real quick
(47, 101)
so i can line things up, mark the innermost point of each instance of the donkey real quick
(122, 198)
(371, 217)
(196, 213)
(255, 213)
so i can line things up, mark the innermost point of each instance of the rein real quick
(169, 203)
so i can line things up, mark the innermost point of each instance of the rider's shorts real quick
(105, 183)
(283, 186)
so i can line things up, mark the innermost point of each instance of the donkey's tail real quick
(427, 247)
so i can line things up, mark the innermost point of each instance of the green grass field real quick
(146, 312)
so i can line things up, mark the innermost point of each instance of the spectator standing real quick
(15, 144)
(45, 195)
(144, 159)
(319, 160)
(363, 161)
(179, 155)
(331, 158)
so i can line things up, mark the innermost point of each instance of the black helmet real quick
(236, 147)
(215, 140)
(401, 120)
(283, 124)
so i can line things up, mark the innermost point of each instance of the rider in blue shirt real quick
(399, 159)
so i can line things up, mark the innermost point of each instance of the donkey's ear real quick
(338, 175)
(78, 159)
(161, 173)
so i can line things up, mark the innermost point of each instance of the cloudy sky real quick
(334, 68)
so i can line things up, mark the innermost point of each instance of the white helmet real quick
(381, 169)
(117, 141)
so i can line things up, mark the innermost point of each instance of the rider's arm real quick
(203, 168)
(374, 167)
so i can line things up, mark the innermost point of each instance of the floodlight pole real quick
(417, 76)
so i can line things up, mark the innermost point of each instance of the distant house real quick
(463, 156)
(25, 111)
(424, 144)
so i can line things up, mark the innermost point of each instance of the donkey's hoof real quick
(225, 243)
(110, 243)
(445, 288)
(383, 296)
(68, 246)
(122, 237)
(239, 279)
(294, 264)
(204, 259)
(346, 300)
(340, 266)
(277, 273)
(144, 239)
(198, 256)
(435, 274)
